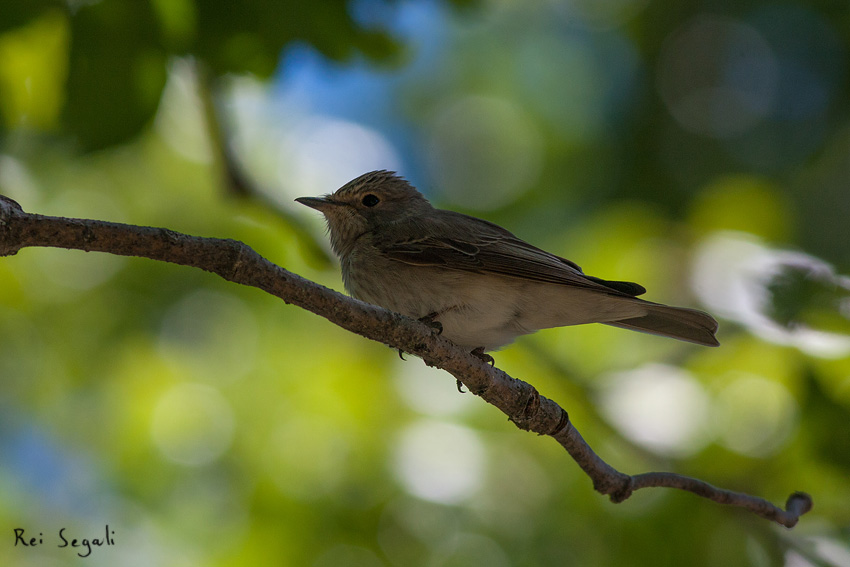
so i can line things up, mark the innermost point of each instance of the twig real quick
(237, 262)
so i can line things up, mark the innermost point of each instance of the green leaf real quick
(33, 68)
(252, 37)
(15, 13)
(117, 70)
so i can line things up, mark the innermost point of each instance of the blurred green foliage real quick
(105, 62)
(700, 153)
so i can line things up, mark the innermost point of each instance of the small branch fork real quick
(236, 262)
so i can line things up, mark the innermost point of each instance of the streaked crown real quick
(390, 185)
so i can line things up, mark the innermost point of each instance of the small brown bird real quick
(480, 283)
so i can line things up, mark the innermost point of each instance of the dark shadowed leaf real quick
(17, 13)
(117, 70)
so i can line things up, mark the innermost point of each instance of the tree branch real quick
(237, 262)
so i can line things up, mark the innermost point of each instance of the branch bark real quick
(237, 262)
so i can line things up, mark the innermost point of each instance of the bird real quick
(475, 282)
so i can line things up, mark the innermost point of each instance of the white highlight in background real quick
(730, 274)
(439, 461)
(660, 407)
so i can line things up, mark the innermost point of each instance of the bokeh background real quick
(702, 149)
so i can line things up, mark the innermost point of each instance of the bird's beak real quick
(318, 203)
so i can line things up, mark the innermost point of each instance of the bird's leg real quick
(431, 320)
(480, 354)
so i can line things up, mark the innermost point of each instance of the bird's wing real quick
(484, 247)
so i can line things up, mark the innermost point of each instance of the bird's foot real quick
(480, 354)
(460, 387)
(431, 320)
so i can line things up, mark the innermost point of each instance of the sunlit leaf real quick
(33, 69)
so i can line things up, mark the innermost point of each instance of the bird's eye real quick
(370, 200)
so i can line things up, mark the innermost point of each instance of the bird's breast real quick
(474, 309)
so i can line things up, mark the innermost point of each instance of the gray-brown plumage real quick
(484, 285)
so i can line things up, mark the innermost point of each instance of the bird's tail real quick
(675, 322)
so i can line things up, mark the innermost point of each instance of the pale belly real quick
(481, 310)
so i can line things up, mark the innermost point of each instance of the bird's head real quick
(375, 199)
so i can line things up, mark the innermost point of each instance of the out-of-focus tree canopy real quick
(100, 67)
(699, 150)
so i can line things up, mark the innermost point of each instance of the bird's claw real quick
(483, 356)
(431, 320)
